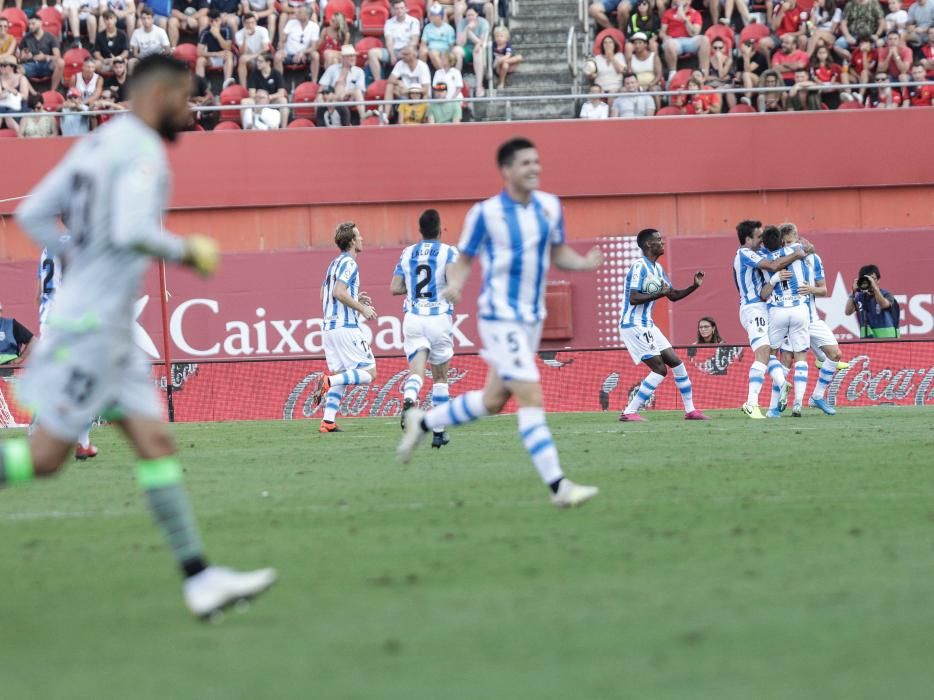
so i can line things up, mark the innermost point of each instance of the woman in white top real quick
(611, 64)
(826, 17)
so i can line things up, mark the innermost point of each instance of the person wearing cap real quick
(447, 112)
(346, 79)
(415, 111)
(437, 38)
(644, 61)
(329, 115)
(252, 41)
(409, 71)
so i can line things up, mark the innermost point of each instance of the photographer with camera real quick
(875, 307)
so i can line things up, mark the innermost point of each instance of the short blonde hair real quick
(788, 229)
(501, 30)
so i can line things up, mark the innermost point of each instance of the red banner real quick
(880, 373)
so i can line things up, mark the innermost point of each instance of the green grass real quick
(730, 559)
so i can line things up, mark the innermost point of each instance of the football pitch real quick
(729, 559)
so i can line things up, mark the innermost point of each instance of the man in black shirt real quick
(267, 78)
(15, 340)
(189, 16)
(215, 48)
(115, 87)
(40, 55)
(110, 44)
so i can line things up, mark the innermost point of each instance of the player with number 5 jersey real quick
(427, 329)
(516, 234)
(646, 283)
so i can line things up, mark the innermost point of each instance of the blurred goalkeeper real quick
(110, 191)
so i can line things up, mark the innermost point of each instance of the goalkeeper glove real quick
(202, 254)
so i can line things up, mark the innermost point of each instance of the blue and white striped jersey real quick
(815, 268)
(785, 295)
(514, 243)
(50, 277)
(640, 314)
(747, 277)
(335, 314)
(422, 267)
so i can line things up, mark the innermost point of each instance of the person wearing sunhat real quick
(415, 111)
(447, 112)
(346, 79)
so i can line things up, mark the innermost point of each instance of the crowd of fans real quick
(704, 46)
(62, 61)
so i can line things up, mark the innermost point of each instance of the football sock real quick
(801, 381)
(776, 396)
(15, 461)
(85, 438)
(538, 443)
(646, 389)
(411, 387)
(350, 377)
(756, 378)
(161, 482)
(824, 379)
(439, 397)
(464, 409)
(683, 382)
(776, 371)
(332, 402)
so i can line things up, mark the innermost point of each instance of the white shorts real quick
(820, 336)
(755, 319)
(431, 333)
(509, 348)
(346, 348)
(72, 379)
(789, 324)
(643, 342)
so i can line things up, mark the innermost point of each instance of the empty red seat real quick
(376, 90)
(51, 21)
(373, 16)
(669, 112)
(305, 93)
(742, 108)
(345, 7)
(416, 8)
(7, 133)
(74, 59)
(300, 124)
(754, 32)
(18, 21)
(187, 53)
(52, 100)
(231, 96)
(227, 126)
(364, 46)
(850, 105)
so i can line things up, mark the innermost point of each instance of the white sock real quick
(464, 409)
(646, 389)
(411, 387)
(800, 381)
(776, 396)
(332, 402)
(85, 438)
(824, 378)
(756, 378)
(350, 377)
(683, 382)
(439, 397)
(538, 443)
(776, 371)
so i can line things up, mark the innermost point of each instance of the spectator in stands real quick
(7, 40)
(289, 10)
(267, 79)
(883, 96)
(595, 107)
(229, 11)
(681, 34)
(14, 90)
(895, 57)
(473, 34)
(16, 340)
(188, 16)
(76, 12)
(200, 96)
(329, 115)
(773, 101)
(215, 48)
(437, 38)
(115, 94)
(265, 13)
(88, 83)
(633, 105)
(447, 112)
(800, 97)
(862, 65)
(788, 58)
(600, 10)
(707, 333)
(346, 79)
(409, 71)
(505, 61)
(645, 63)
(608, 66)
(74, 121)
(110, 43)
(415, 111)
(786, 18)
(148, 39)
(401, 30)
(825, 19)
(920, 22)
(643, 21)
(335, 35)
(927, 53)
(40, 55)
(722, 69)
(298, 43)
(860, 18)
(825, 72)
(875, 307)
(704, 100)
(729, 6)
(259, 115)
(39, 124)
(483, 7)
(920, 96)
(752, 65)
(125, 10)
(450, 75)
(252, 41)
(897, 18)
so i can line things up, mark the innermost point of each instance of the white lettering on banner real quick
(140, 336)
(261, 347)
(924, 316)
(459, 337)
(390, 337)
(177, 321)
(242, 335)
(314, 342)
(285, 336)
(833, 308)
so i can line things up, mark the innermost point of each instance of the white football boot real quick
(218, 587)
(412, 436)
(570, 494)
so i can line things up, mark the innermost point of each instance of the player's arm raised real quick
(781, 263)
(676, 294)
(341, 293)
(564, 257)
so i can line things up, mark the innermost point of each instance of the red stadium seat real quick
(720, 31)
(850, 105)
(305, 93)
(51, 21)
(227, 126)
(17, 19)
(679, 81)
(755, 32)
(742, 108)
(7, 133)
(371, 121)
(376, 91)
(373, 16)
(231, 96)
(74, 58)
(363, 48)
(187, 53)
(300, 124)
(416, 8)
(615, 33)
(669, 112)
(345, 7)
(52, 100)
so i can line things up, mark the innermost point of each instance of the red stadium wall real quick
(287, 190)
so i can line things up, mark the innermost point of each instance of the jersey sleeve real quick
(475, 232)
(557, 230)
(818, 268)
(637, 276)
(452, 255)
(750, 258)
(398, 270)
(347, 271)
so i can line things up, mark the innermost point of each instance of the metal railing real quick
(572, 52)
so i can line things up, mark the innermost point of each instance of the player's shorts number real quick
(79, 386)
(422, 281)
(512, 341)
(366, 347)
(760, 322)
(649, 338)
